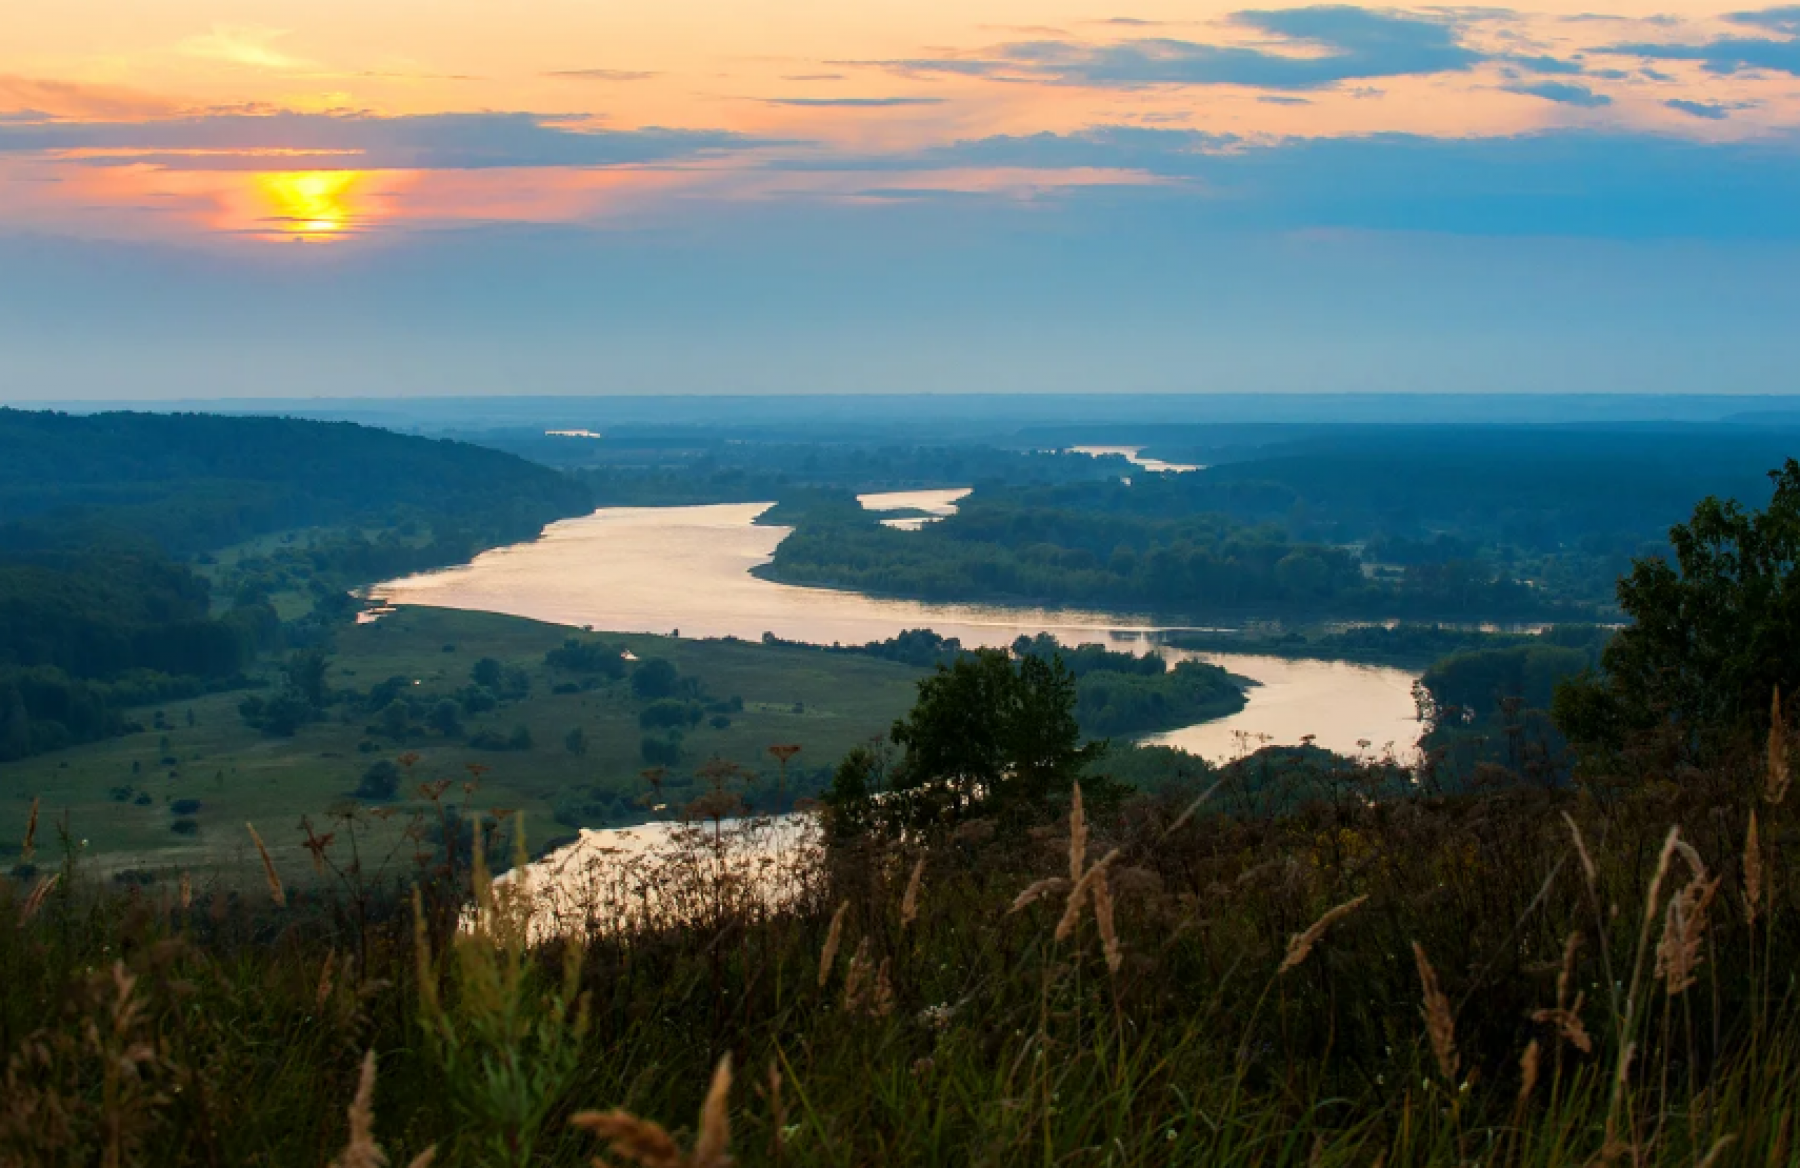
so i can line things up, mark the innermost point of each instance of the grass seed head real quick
(1078, 896)
(834, 936)
(1753, 872)
(1528, 1070)
(29, 848)
(1078, 837)
(1440, 1024)
(1779, 776)
(361, 1151)
(711, 1146)
(1103, 916)
(909, 904)
(34, 900)
(277, 892)
(1300, 945)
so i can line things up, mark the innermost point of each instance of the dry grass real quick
(1301, 945)
(1203, 1028)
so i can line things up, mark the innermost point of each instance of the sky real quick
(241, 198)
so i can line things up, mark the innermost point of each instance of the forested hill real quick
(190, 482)
(100, 613)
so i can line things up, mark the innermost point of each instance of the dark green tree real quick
(446, 718)
(989, 735)
(1711, 635)
(487, 673)
(655, 678)
(306, 678)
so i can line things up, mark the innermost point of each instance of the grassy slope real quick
(240, 775)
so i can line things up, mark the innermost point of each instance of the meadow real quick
(118, 793)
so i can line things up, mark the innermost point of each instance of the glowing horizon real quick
(198, 86)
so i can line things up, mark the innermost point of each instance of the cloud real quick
(1562, 93)
(1567, 183)
(75, 99)
(1331, 43)
(367, 142)
(1782, 20)
(250, 45)
(814, 77)
(1538, 63)
(601, 75)
(1727, 55)
(1132, 148)
(851, 102)
(1711, 111)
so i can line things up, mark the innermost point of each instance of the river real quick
(687, 571)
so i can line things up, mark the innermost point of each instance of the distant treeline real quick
(1131, 548)
(1400, 644)
(84, 635)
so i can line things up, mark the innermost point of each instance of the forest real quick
(111, 592)
(1127, 548)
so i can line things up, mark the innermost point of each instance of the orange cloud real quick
(77, 99)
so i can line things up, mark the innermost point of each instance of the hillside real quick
(191, 482)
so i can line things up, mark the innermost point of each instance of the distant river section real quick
(687, 570)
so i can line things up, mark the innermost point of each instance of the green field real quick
(825, 703)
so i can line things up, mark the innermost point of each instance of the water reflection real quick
(938, 502)
(656, 875)
(1133, 455)
(656, 569)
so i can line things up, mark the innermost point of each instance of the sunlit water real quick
(938, 503)
(658, 874)
(1133, 455)
(687, 570)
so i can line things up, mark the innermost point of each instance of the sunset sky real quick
(386, 197)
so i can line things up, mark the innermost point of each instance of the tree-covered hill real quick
(189, 482)
(97, 610)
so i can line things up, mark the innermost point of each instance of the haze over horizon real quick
(205, 199)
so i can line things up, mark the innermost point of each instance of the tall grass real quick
(1520, 976)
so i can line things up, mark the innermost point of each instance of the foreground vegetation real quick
(1528, 977)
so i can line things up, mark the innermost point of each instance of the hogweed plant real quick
(506, 1038)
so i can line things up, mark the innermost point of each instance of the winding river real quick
(687, 571)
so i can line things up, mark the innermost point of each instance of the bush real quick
(381, 781)
(185, 806)
(185, 827)
(666, 713)
(578, 656)
(660, 751)
(655, 678)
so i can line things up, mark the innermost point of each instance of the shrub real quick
(660, 751)
(381, 781)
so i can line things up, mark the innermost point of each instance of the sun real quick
(311, 204)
